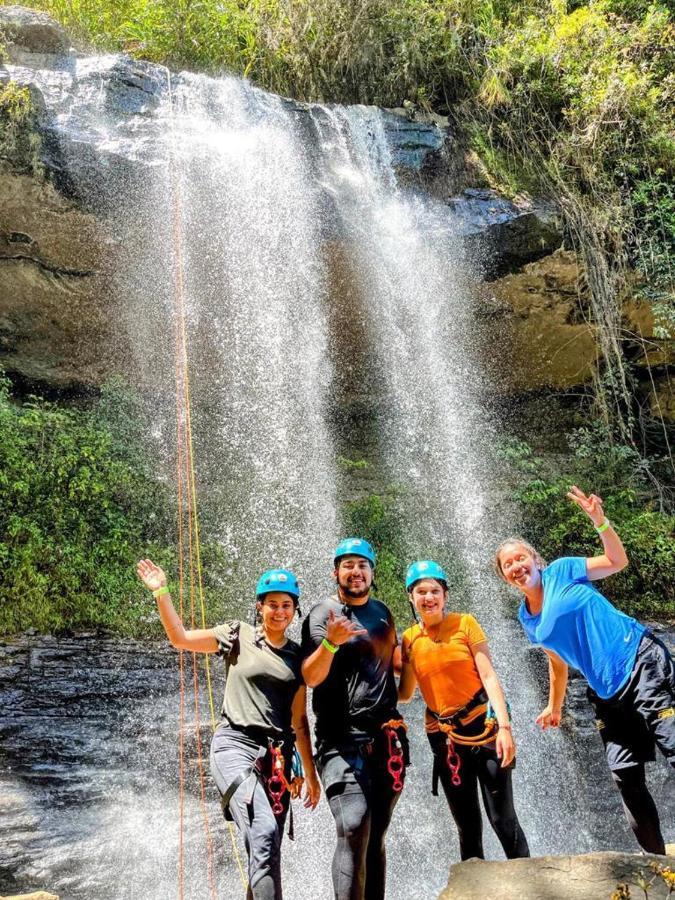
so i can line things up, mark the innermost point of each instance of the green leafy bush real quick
(77, 507)
(19, 141)
(378, 519)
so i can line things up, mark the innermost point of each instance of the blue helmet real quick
(282, 580)
(424, 568)
(354, 547)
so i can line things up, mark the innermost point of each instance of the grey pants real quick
(233, 752)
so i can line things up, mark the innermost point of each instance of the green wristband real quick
(327, 644)
(603, 527)
(160, 592)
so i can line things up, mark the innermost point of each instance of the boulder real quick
(589, 876)
(29, 34)
(503, 234)
(537, 333)
(534, 334)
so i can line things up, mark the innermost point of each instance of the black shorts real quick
(642, 714)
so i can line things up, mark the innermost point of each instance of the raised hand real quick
(591, 504)
(151, 575)
(340, 629)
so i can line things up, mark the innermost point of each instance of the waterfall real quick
(256, 308)
(274, 200)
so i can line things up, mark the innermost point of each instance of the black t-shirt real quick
(359, 693)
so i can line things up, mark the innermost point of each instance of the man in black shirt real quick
(349, 642)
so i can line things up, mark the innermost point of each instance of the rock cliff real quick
(62, 312)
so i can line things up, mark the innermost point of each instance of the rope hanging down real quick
(189, 550)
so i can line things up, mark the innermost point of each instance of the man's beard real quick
(355, 593)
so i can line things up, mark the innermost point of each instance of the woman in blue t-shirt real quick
(630, 673)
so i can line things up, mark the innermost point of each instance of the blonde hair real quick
(539, 560)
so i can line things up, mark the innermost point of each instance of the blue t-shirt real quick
(583, 627)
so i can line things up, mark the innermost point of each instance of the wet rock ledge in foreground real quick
(589, 876)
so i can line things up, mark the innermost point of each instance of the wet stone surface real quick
(89, 783)
(83, 722)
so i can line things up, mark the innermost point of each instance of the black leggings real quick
(360, 859)
(640, 717)
(639, 807)
(361, 798)
(479, 766)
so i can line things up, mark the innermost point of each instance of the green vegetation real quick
(76, 503)
(19, 141)
(80, 500)
(379, 519)
(353, 465)
(618, 475)
(385, 520)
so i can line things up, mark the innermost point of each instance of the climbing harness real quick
(449, 725)
(277, 784)
(395, 761)
(297, 775)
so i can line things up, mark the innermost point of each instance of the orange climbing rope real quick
(187, 510)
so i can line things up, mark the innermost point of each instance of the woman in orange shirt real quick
(447, 656)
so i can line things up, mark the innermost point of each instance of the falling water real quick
(272, 203)
(415, 298)
(255, 297)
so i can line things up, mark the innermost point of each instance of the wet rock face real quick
(537, 333)
(534, 333)
(587, 877)
(502, 235)
(61, 326)
(40, 895)
(88, 738)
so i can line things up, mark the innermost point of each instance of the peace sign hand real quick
(591, 504)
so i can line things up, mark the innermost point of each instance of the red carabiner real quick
(395, 765)
(454, 763)
(276, 783)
